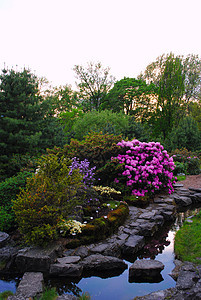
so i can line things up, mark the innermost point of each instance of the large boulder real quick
(30, 286)
(182, 200)
(99, 263)
(146, 271)
(37, 259)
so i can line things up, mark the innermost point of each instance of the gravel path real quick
(192, 181)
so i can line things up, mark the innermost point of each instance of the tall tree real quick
(132, 96)
(171, 91)
(95, 82)
(20, 111)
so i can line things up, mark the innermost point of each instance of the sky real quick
(50, 37)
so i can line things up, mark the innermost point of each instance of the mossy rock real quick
(102, 227)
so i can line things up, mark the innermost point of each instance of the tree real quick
(132, 96)
(20, 110)
(186, 135)
(95, 83)
(105, 121)
(170, 93)
(61, 99)
(27, 121)
(191, 68)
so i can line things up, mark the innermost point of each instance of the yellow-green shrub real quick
(49, 196)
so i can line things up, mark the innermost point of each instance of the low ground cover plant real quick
(188, 239)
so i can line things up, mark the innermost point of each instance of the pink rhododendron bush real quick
(147, 167)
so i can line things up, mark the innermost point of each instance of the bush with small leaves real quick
(49, 196)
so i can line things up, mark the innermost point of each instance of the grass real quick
(49, 294)
(4, 295)
(181, 177)
(188, 241)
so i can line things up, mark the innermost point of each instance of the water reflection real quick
(117, 286)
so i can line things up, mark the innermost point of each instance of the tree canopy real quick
(95, 82)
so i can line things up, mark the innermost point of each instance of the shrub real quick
(83, 167)
(105, 121)
(180, 167)
(6, 219)
(97, 148)
(186, 135)
(189, 159)
(49, 196)
(147, 167)
(11, 187)
(8, 192)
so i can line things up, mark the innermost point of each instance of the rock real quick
(36, 259)
(196, 198)
(145, 269)
(182, 200)
(148, 228)
(133, 245)
(30, 286)
(4, 237)
(186, 280)
(99, 248)
(81, 251)
(7, 257)
(69, 259)
(98, 262)
(197, 190)
(175, 272)
(147, 215)
(67, 270)
(67, 297)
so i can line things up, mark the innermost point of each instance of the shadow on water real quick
(117, 286)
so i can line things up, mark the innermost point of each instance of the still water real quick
(161, 248)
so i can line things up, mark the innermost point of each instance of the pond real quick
(161, 247)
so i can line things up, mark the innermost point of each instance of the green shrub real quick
(4, 295)
(97, 148)
(7, 219)
(104, 121)
(180, 167)
(48, 294)
(8, 192)
(49, 196)
(11, 187)
(190, 161)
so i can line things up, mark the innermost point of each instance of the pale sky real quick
(51, 36)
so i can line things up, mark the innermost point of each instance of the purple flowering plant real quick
(84, 169)
(147, 167)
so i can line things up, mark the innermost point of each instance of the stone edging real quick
(130, 238)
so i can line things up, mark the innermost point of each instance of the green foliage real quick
(49, 196)
(171, 90)
(6, 219)
(11, 187)
(188, 159)
(48, 294)
(131, 96)
(4, 295)
(188, 241)
(180, 167)
(137, 130)
(186, 135)
(8, 192)
(95, 82)
(98, 149)
(105, 121)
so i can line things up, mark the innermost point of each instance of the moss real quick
(101, 227)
